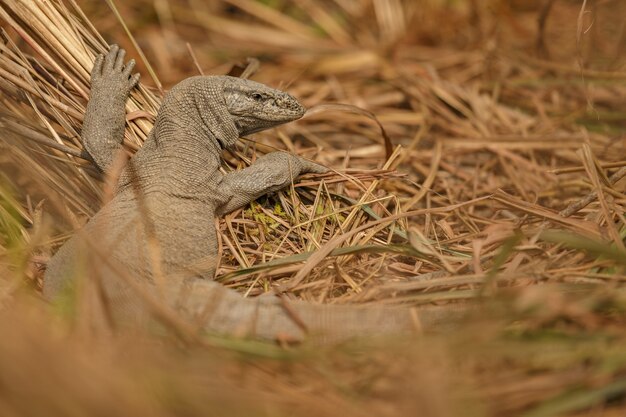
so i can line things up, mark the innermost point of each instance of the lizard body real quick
(170, 192)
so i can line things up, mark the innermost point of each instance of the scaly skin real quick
(159, 228)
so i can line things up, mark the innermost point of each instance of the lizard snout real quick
(291, 104)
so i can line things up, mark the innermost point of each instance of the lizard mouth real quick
(247, 125)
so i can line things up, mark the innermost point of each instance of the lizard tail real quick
(219, 310)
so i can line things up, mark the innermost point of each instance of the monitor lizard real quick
(169, 193)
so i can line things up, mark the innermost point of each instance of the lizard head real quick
(255, 107)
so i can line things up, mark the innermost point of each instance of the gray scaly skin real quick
(170, 192)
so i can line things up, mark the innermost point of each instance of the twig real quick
(589, 198)
(31, 134)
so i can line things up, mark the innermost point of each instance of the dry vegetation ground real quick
(503, 184)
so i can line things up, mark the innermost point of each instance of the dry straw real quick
(512, 186)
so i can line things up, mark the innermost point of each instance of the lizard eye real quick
(257, 97)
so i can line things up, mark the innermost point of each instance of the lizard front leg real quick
(269, 173)
(103, 126)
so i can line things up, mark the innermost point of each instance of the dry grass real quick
(505, 184)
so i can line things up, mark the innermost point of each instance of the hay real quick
(506, 183)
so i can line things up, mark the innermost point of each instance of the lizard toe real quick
(309, 167)
(119, 60)
(96, 71)
(110, 58)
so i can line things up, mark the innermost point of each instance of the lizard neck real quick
(195, 110)
(183, 150)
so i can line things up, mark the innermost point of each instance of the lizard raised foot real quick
(103, 126)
